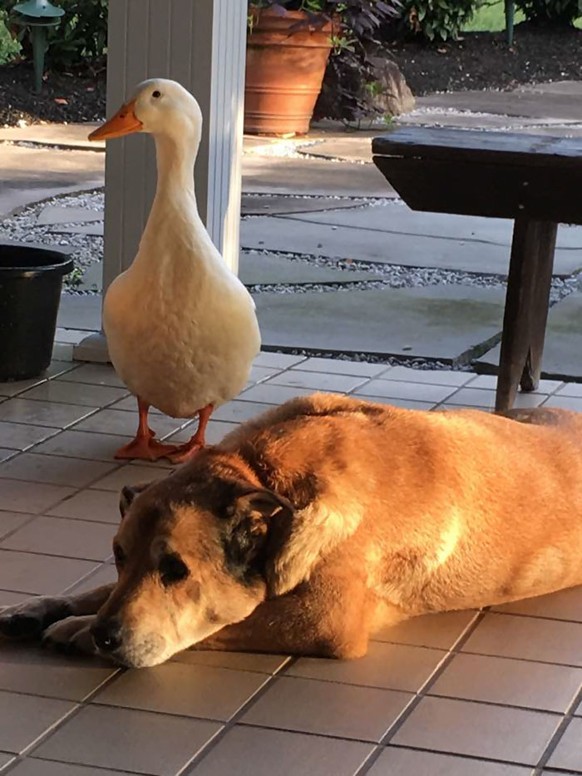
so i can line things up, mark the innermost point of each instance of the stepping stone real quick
(53, 214)
(280, 205)
(95, 230)
(562, 359)
(257, 268)
(394, 234)
(441, 322)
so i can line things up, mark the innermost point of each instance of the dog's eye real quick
(172, 570)
(119, 555)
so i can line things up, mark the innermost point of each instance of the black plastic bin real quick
(31, 280)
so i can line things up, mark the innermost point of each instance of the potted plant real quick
(288, 47)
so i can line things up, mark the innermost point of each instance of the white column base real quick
(93, 348)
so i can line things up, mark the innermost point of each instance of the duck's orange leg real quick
(189, 449)
(145, 445)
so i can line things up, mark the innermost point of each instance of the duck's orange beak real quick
(123, 123)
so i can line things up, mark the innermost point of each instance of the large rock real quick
(393, 95)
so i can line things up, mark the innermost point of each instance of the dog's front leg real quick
(318, 621)
(30, 619)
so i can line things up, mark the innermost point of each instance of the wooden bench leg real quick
(526, 308)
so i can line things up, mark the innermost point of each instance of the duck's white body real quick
(181, 327)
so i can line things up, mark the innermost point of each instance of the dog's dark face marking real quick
(190, 553)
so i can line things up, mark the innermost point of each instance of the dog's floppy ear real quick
(128, 493)
(254, 517)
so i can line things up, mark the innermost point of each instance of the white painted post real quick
(201, 44)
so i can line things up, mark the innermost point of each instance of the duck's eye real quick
(119, 555)
(157, 94)
(172, 570)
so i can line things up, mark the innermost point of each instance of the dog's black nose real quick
(107, 635)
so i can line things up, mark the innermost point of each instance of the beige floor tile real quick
(30, 670)
(324, 708)
(317, 381)
(95, 374)
(440, 631)
(6, 453)
(472, 397)
(246, 751)
(277, 360)
(396, 389)
(215, 433)
(431, 376)
(5, 759)
(32, 766)
(238, 661)
(10, 521)
(239, 411)
(568, 753)
(129, 404)
(9, 599)
(477, 729)
(570, 389)
(267, 393)
(123, 422)
(102, 576)
(565, 605)
(33, 497)
(23, 572)
(42, 413)
(18, 386)
(565, 403)
(395, 761)
(131, 474)
(75, 393)
(490, 381)
(82, 444)
(187, 690)
(19, 436)
(136, 741)
(63, 537)
(390, 666)
(23, 718)
(332, 366)
(407, 404)
(509, 682)
(99, 505)
(260, 373)
(33, 467)
(528, 638)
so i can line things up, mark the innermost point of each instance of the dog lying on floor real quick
(324, 519)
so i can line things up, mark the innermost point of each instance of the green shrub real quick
(551, 11)
(438, 19)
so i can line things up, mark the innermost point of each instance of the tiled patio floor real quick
(465, 694)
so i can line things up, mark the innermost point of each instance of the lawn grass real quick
(491, 18)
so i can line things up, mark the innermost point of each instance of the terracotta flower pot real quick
(286, 63)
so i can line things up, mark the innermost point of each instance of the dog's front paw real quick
(70, 636)
(29, 619)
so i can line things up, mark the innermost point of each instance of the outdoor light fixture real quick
(37, 16)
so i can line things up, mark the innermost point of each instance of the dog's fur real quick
(324, 519)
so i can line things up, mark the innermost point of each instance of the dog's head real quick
(191, 553)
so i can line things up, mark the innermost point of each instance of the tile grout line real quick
(227, 726)
(558, 734)
(419, 696)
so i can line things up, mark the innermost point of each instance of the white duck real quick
(181, 327)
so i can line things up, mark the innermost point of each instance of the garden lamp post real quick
(38, 16)
(509, 19)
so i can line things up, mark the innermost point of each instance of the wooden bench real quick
(534, 180)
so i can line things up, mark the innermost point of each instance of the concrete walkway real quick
(337, 263)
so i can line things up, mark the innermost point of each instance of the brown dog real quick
(325, 518)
